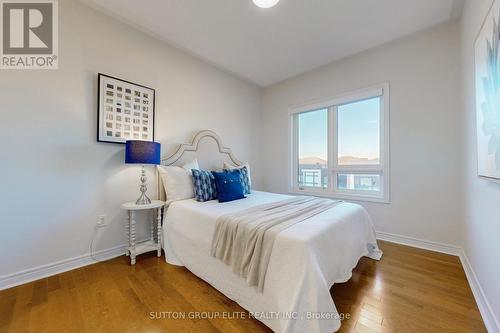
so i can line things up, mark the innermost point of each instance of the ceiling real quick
(266, 46)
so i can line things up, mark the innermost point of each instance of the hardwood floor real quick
(409, 290)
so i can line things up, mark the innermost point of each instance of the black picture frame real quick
(100, 112)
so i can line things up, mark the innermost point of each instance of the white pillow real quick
(228, 166)
(191, 165)
(177, 181)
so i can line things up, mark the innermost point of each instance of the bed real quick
(307, 258)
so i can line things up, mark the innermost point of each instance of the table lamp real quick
(142, 152)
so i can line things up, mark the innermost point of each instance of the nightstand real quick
(154, 243)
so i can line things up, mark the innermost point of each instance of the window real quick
(340, 148)
(313, 148)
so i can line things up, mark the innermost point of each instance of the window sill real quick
(342, 196)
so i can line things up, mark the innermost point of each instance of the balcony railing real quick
(313, 175)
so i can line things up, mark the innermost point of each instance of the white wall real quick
(423, 72)
(56, 179)
(481, 229)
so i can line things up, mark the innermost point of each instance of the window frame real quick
(332, 190)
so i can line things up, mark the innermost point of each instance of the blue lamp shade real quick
(142, 152)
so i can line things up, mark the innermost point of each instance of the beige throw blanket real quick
(244, 240)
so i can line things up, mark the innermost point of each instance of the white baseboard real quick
(32, 274)
(419, 243)
(489, 318)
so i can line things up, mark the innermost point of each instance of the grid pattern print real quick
(127, 111)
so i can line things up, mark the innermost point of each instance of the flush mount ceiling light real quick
(265, 3)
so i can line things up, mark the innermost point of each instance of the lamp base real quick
(143, 199)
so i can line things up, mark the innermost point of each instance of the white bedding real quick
(307, 259)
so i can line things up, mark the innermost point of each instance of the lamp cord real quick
(91, 247)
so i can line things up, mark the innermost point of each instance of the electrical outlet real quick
(101, 221)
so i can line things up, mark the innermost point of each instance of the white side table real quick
(154, 243)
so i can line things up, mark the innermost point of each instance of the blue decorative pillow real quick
(245, 180)
(205, 188)
(229, 186)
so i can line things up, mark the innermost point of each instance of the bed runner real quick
(244, 240)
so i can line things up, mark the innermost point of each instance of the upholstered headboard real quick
(207, 147)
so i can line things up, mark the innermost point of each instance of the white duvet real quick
(306, 260)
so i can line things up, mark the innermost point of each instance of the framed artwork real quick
(126, 111)
(487, 77)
